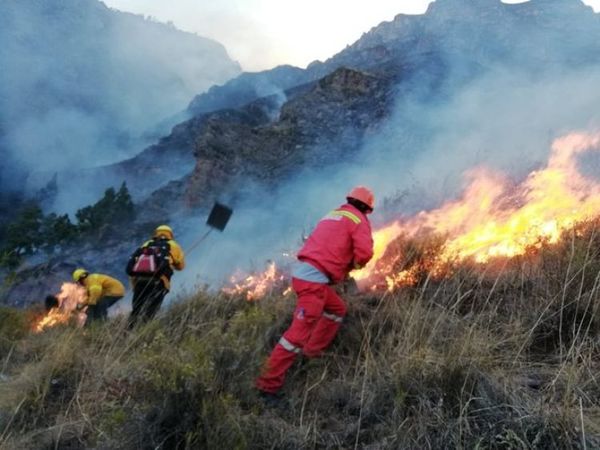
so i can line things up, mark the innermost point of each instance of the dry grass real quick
(503, 359)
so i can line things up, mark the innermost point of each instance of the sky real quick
(261, 34)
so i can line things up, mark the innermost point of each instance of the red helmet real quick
(364, 195)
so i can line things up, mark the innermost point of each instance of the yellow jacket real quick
(177, 257)
(99, 286)
(176, 260)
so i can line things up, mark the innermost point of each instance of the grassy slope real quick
(485, 361)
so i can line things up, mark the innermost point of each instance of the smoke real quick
(80, 84)
(503, 89)
(503, 116)
(266, 89)
(505, 120)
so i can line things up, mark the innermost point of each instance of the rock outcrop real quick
(261, 129)
(451, 44)
(321, 126)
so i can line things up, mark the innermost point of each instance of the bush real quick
(23, 236)
(505, 358)
(31, 231)
(113, 208)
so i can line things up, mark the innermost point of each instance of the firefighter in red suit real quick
(341, 242)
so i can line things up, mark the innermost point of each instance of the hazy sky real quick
(261, 34)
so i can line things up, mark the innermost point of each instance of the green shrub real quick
(115, 207)
(31, 231)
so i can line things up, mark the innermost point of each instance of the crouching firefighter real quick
(341, 242)
(102, 292)
(151, 267)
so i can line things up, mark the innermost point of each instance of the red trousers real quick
(317, 318)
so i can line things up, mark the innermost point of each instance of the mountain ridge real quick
(383, 50)
(80, 81)
(322, 123)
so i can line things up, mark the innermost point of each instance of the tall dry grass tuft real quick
(504, 356)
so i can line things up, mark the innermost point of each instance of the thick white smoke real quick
(80, 84)
(505, 120)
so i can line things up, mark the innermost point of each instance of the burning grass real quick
(495, 217)
(62, 308)
(258, 285)
(504, 358)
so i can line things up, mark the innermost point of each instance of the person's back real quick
(152, 285)
(103, 291)
(340, 242)
(103, 286)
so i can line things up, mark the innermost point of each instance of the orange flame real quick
(495, 218)
(255, 286)
(70, 296)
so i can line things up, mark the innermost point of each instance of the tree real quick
(113, 208)
(31, 231)
(57, 230)
(23, 236)
(125, 210)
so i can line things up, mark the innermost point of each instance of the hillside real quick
(409, 108)
(432, 57)
(81, 83)
(478, 33)
(476, 125)
(481, 359)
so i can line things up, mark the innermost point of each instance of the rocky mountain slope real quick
(453, 43)
(261, 129)
(321, 126)
(483, 32)
(80, 83)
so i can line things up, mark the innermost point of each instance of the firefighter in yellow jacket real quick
(151, 267)
(102, 292)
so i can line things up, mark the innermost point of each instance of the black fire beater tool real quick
(217, 220)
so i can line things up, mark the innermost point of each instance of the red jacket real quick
(340, 241)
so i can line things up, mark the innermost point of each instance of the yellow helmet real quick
(163, 230)
(79, 274)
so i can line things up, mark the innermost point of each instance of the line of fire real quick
(494, 220)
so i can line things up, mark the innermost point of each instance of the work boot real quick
(269, 399)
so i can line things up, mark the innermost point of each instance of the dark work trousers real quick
(99, 311)
(148, 295)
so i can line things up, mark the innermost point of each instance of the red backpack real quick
(151, 259)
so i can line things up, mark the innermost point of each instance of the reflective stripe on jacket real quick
(99, 285)
(341, 241)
